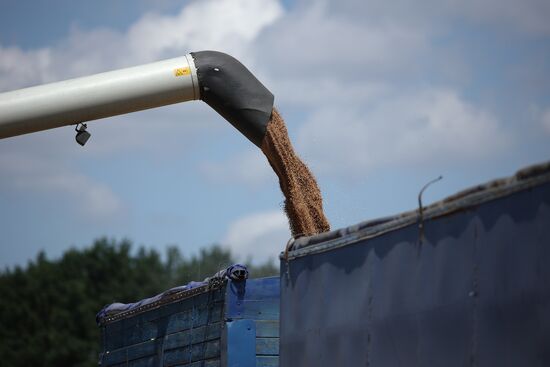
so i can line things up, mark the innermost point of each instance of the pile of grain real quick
(304, 203)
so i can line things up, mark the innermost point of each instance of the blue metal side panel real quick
(253, 299)
(241, 343)
(475, 291)
(180, 333)
(237, 325)
(255, 303)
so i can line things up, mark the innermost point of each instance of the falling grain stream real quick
(303, 201)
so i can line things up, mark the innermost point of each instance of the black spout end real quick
(233, 91)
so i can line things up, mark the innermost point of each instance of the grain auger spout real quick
(218, 79)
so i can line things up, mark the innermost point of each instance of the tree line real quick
(48, 308)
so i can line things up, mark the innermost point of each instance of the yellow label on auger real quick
(182, 71)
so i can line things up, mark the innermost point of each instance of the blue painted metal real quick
(216, 328)
(472, 290)
(241, 343)
(257, 300)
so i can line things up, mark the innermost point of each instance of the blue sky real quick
(379, 97)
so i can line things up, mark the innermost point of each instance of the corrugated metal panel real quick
(472, 289)
(193, 330)
(181, 332)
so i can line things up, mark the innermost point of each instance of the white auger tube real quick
(216, 78)
(102, 95)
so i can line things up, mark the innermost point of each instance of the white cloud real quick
(519, 15)
(33, 175)
(315, 92)
(225, 25)
(215, 24)
(427, 126)
(314, 43)
(20, 68)
(249, 167)
(260, 236)
(524, 15)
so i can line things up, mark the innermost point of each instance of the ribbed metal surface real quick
(234, 325)
(472, 290)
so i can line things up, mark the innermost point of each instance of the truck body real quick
(464, 282)
(233, 324)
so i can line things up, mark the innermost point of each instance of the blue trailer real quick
(463, 282)
(222, 324)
